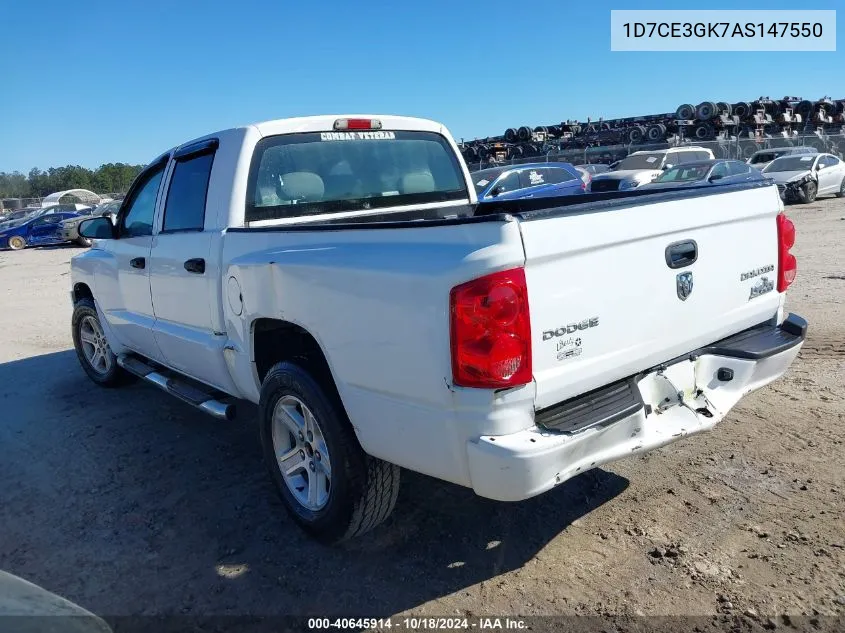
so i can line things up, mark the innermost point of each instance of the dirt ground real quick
(128, 502)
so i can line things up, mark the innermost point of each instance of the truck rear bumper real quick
(687, 396)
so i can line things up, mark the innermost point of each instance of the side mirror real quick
(495, 192)
(97, 228)
(715, 177)
(667, 166)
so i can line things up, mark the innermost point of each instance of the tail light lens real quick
(491, 331)
(787, 264)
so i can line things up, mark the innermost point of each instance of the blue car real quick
(702, 173)
(34, 231)
(532, 180)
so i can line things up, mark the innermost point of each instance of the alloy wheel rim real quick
(301, 453)
(94, 345)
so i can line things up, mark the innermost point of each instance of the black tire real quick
(85, 242)
(17, 243)
(841, 193)
(809, 192)
(362, 490)
(705, 111)
(115, 375)
(685, 112)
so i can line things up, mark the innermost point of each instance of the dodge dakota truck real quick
(338, 272)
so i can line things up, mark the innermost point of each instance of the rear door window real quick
(557, 175)
(185, 206)
(317, 173)
(533, 177)
(735, 168)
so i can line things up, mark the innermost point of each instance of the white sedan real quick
(802, 178)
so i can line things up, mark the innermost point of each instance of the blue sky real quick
(87, 82)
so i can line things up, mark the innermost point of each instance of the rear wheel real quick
(92, 348)
(16, 243)
(330, 487)
(841, 193)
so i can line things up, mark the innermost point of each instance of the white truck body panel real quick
(610, 266)
(376, 299)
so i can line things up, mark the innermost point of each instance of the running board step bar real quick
(181, 389)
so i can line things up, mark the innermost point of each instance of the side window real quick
(184, 209)
(557, 175)
(737, 168)
(533, 177)
(138, 219)
(721, 169)
(828, 161)
(508, 183)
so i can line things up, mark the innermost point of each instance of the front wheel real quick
(16, 243)
(330, 487)
(92, 348)
(808, 192)
(84, 241)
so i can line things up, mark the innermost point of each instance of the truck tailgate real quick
(610, 293)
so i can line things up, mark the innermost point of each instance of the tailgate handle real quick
(680, 254)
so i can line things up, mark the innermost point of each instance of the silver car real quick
(802, 178)
(761, 158)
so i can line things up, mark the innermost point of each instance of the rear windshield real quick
(641, 161)
(765, 157)
(296, 175)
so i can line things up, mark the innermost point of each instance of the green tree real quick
(108, 178)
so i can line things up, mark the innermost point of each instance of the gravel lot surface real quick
(129, 502)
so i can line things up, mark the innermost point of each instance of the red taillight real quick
(491, 331)
(787, 265)
(357, 124)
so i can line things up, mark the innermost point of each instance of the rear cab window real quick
(317, 173)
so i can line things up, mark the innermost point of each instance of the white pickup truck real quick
(338, 272)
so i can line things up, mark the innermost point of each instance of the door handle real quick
(196, 265)
(138, 262)
(680, 254)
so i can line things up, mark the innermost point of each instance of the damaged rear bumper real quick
(683, 397)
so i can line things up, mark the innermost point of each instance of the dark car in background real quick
(705, 172)
(532, 180)
(69, 228)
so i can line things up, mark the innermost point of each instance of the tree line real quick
(108, 178)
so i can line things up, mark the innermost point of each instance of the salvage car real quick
(339, 272)
(69, 229)
(36, 230)
(803, 178)
(531, 180)
(704, 173)
(761, 158)
(642, 167)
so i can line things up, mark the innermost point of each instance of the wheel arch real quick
(277, 340)
(81, 290)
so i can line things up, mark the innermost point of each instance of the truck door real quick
(123, 280)
(184, 270)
